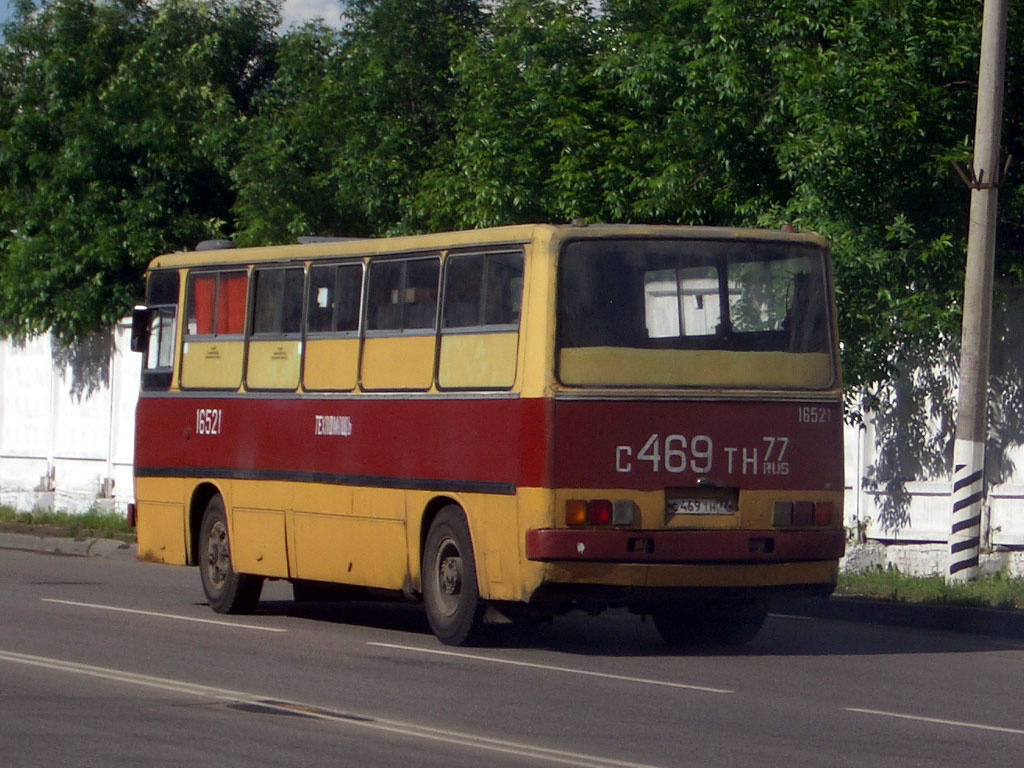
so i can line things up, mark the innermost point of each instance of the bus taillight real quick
(824, 512)
(802, 513)
(575, 512)
(600, 512)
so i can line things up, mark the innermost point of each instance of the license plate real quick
(700, 506)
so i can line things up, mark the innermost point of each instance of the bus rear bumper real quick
(691, 547)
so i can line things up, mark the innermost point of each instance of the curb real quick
(981, 621)
(53, 545)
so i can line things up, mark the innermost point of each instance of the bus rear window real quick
(694, 313)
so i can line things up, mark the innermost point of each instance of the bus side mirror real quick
(141, 319)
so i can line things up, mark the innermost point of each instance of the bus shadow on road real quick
(617, 633)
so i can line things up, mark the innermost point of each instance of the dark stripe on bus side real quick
(326, 478)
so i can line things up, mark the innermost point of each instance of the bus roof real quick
(519, 233)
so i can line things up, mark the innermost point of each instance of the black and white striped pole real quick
(970, 520)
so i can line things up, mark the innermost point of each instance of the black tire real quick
(731, 623)
(226, 590)
(742, 625)
(451, 594)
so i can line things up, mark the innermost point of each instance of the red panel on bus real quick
(652, 445)
(404, 442)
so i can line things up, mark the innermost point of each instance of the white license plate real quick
(700, 506)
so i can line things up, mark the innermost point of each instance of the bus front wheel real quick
(226, 590)
(451, 594)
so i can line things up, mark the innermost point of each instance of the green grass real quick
(94, 523)
(997, 591)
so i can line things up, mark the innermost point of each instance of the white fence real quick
(66, 428)
(66, 432)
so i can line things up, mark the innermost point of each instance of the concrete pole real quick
(970, 521)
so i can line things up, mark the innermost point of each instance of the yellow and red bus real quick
(503, 423)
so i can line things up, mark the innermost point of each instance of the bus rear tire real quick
(226, 590)
(451, 594)
(730, 624)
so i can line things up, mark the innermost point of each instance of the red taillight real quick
(599, 512)
(824, 512)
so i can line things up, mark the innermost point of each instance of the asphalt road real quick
(107, 661)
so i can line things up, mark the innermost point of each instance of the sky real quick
(294, 11)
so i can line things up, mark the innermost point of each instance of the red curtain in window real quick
(231, 312)
(202, 303)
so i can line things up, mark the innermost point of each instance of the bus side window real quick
(214, 341)
(402, 295)
(331, 353)
(216, 303)
(277, 304)
(159, 334)
(275, 347)
(483, 290)
(335, 291)
(480, 320)
(401, 314)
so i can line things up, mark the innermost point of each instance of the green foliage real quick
(350, 123)
(118, 131)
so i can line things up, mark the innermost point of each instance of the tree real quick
(358, 118)
(118, 131)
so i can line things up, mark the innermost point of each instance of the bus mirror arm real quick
(141, 319)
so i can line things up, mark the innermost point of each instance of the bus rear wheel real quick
(451, 594)
(733, 623)
(226, 590)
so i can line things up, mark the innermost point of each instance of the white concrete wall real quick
(60, 450)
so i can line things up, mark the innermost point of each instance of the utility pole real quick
(970, 519)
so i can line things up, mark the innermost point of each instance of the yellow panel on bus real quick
(161, 532)
(398, 362)
(331, 364)
(350, 550)
(212, 364)
(478, 360)
(621, 366)
(258, 542)
(273, 364)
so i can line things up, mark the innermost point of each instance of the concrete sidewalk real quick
(55, 545)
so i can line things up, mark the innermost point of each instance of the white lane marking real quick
(117, 675)
(791, 617)
(553, 668)
(937, 720)
(353, 719)
(155, 614)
